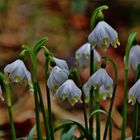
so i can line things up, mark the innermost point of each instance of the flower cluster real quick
(60, 85)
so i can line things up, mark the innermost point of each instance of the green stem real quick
(12, 123)
(49, 99)
(96, 14)
(91, 108)
(110, 132)
(39, 135)
(113, 94)
(34, 70)
(135, 121)
(9, 103)
(76, 74)
(43, 112)
(128, 47)
(97, 115)
(84, 111)
(125, 104)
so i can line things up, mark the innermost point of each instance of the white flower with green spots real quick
(100, 78)
(70, 91)
(17, 72)
(82, 55)
(56, 78)
(103, 35)
(134, 93)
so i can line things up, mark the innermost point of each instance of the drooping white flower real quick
(57, 77)
(17, 72)
(61, 63)
(134, 93)
(1, 97)
(82, 55)
(103, 35)
(100, 78)
(134, 56)
(70, 91)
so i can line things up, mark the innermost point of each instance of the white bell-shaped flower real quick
(82, 55)
(70, 91)
(99, 78)
(61, 63)
(134, 56)
(17, 72)
(103, 35)
(1, 97)
(104, 92)
(57, 77)
(134, 93)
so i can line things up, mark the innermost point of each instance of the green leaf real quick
(68, 135)
(79, 126)
(98, 111)
(30, 136)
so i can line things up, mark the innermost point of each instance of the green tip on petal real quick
(74, 100)
(132, 99)
(63, 97)
(96, 86)
(106, 40)
(16, 79)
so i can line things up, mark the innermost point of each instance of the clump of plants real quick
(59, 82)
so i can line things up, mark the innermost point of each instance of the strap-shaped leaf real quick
(30, 136)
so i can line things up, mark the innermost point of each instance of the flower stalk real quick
(126, 63)
(97, 115)
(75, 72)
(34, 70)
(9, 103)
(49, 98)
(113, 95)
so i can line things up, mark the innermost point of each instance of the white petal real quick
(61, 63)
(134, 56)
(82, 55)
(57, 77)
